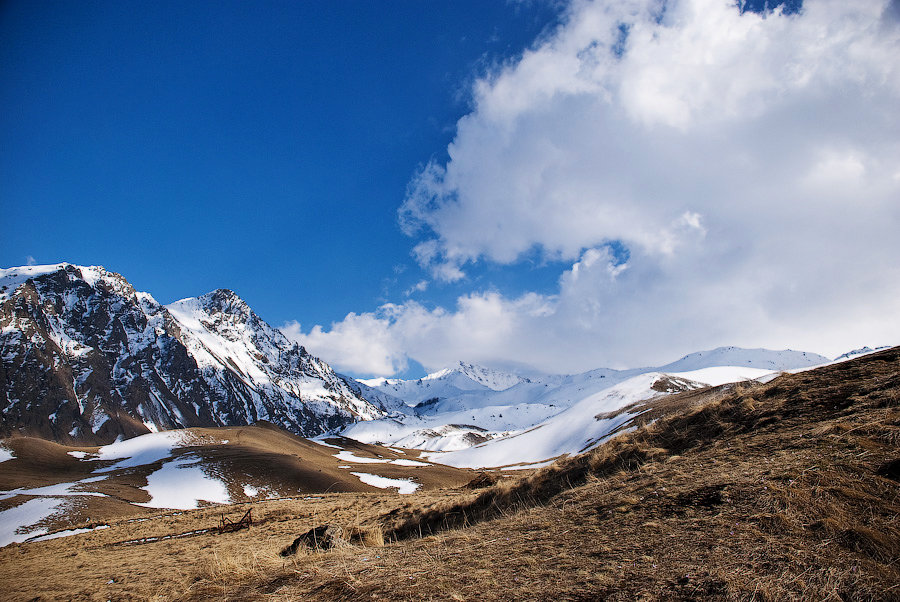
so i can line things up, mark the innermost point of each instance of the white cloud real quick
(419, 287)
(748, 162)
(361, 344)
(481, 328)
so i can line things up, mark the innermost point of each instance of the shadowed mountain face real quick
(84, 357)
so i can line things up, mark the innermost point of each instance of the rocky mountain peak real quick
(226, 301)
(87, 358)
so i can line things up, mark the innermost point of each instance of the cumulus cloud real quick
(361, 344)
(750, 164)
(480, 328)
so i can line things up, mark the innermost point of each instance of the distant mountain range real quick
(475, 417)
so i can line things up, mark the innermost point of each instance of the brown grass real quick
(775, 492)
(768, 493)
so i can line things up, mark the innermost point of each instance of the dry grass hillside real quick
(783, 491)
(274, 462)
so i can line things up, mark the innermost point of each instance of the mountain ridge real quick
(86, 357)
(548, 415)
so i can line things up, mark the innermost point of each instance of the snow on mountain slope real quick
(462, 381)
(763, 359)
(224, 331)
(447, 437)
(374, 396)
(572, 431)
(490, 378)
(87, 358)
(451, 416)
(719, 375)
(12, 278)
(467, 386)
(562, 390)
(444, 384)
(224, 334)
(447, 430)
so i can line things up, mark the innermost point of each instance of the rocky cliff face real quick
(84, 357)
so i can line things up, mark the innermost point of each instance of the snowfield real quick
(474, 417)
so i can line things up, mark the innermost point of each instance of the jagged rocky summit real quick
(86, 358)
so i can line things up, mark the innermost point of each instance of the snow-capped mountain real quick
(377, 398)
(468, 386)
(452, 411)
(494, 380)
(462, 387)
(87, 358)
(445, 384)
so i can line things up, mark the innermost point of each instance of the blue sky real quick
(263, 147)
(535, 184)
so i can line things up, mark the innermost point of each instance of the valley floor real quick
(787, 490)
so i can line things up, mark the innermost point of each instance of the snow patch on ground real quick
(65, 533)
(405, 462)
(251, 491)
(181, 484)
(14, 522)
(404, 486)
(139, 451)
(57, 490)
(6, 454)
(346, 456)
(321, 441)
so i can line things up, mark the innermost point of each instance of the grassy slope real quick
(771, 493)
(780, 491)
